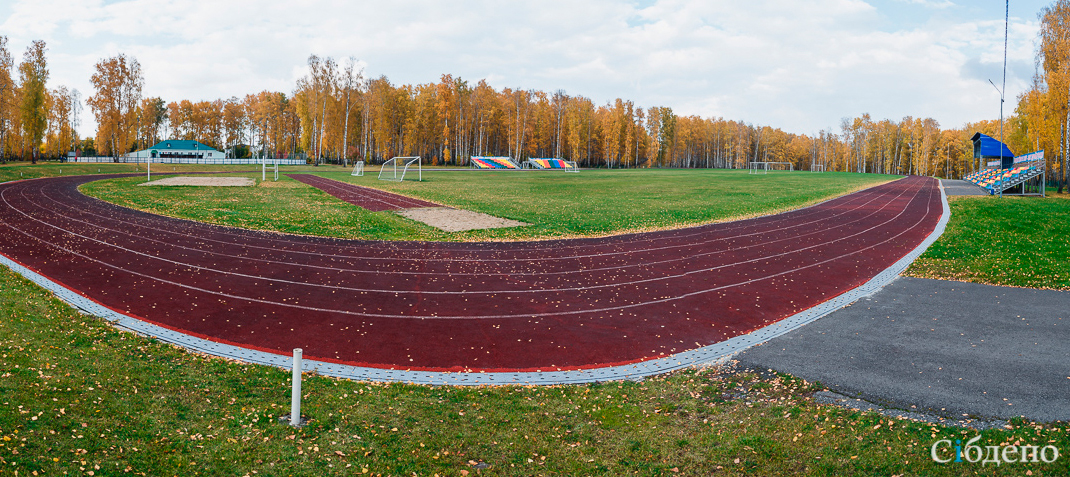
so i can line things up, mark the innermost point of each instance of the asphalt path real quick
(947, 348)
(959, 187)
(516, 306)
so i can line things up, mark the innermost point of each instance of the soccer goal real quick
(817, 167)
(358, 169)
(763, 167)
(390, 170)
(264, 169)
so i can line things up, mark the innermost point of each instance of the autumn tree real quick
(152, 117)
(1054, 55)
(348, 84)
(7, 97)
(60, 134)
(118, 82)
(33, 109)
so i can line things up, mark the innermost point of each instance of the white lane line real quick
(475, 317)
(584, 270)
(568, 243)
(588, 271)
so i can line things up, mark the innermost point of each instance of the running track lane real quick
(374, 200)
(518, 306)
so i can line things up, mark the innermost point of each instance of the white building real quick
(178, 151)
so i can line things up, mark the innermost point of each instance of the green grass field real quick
(1013, 241)
(590, 203)
(79, 396)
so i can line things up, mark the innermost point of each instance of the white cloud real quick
(796, 65)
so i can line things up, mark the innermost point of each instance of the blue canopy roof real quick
(986, 147)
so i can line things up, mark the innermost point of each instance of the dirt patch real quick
(456, 220)
(203, 181)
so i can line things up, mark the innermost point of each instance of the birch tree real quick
(33, 74)
(117, 83)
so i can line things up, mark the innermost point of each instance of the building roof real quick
(987, 147)
(181, 145)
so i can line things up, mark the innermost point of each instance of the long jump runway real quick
(548, 311)
(374, 200)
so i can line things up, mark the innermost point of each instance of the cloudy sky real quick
(797, 65)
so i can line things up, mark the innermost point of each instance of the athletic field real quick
(203, 415)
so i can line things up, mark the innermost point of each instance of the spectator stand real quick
(489, 163)
(1006, 174)
(555, 164)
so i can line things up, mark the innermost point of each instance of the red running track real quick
(519, 306)
(374, 200)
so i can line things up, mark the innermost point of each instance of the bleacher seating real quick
(542, 163)
(481, 162)
(995, 181)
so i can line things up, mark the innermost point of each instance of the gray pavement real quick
(940, 347)
(956, 187)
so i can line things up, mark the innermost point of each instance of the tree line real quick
(1042, 116)
(337, 114)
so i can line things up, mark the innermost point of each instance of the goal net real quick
(396, 168)
(763, 167)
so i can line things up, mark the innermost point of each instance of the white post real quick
(295, 400)
(263, 168)
(148, 169)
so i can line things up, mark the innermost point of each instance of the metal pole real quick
(295, 398)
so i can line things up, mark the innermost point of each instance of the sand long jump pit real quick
(203, 181)
(457, 220)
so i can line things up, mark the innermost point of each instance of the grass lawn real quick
(1015, 241)
(590, 203)
(82, 398)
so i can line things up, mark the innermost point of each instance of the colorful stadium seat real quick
(481, 162)
(994, 181)
(549, 163)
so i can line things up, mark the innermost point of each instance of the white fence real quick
(183, 160)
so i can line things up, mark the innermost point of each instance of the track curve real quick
(517, 306)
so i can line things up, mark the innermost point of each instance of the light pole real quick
(1000, 119)
(1006, 22)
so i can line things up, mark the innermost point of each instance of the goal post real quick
(358, 169)
(390, 172)
(763, 167)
